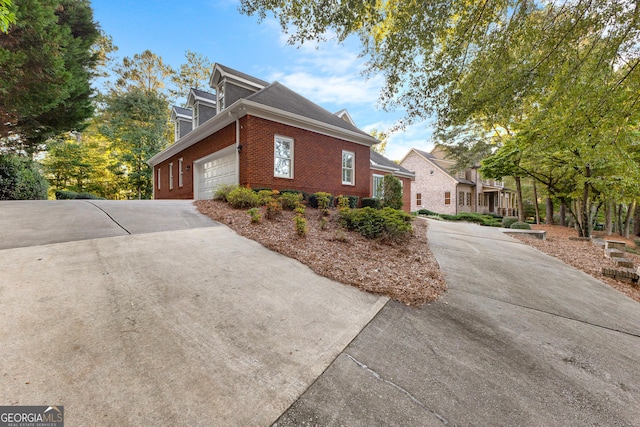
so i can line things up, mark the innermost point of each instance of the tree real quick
(193, 74)
(7, 16)
(381, 136)
(392, 192)
(46, 65)
(137, 123)
(146, 71)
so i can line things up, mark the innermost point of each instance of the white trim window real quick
(180, 172)
(177, 130)
(171, 176)
(220, 97)
(282, 157)
(378, 186)
(196, 114)
(348, 167)
(158, 179)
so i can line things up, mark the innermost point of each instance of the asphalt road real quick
(519, 339)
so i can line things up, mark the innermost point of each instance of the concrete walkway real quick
(519, 339)
(147, 313)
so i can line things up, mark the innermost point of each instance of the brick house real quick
(438, 188)
(259, 134)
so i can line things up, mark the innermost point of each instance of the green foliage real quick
(7, 15)
(386, 224)
(343, 202)
(427, 212)
(222, 191)
(256, 216)
(194, 74)
(323, 223)
(243, 198)
(508, 220)
(274, 208)
(46, 66)
(486, 220)
(145, 72)
(21, 179)
(267, 196)
(371, 202)
(299, 209)
(290, 200)
(392, 190)
(72, 195)
(520, 226)
(320, 200)
(301, 225)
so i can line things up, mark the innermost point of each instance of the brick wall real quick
(317, 160)
(219, 140)
(431, 186)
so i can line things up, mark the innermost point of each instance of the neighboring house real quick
(439, 189)
(381, 166)
(262, 135)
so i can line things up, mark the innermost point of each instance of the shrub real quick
(392, 190)
(508, 220)
(88, 196)
(243, 198)
(266, 196)
(222, 191)
(353, 201)
(370, 202)
(320, 200)
(427, 212)
(65, 195)
(387, 224)
(299, 209)
(323, 223)
(520, 226)
(21, 179)
(274, 208)
(290, 200)
(256, 217)
(301, 225)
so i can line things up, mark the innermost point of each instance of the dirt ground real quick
(406, 272)
(584, 255)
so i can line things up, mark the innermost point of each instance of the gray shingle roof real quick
(183, 111)
(231, 71)
(381, 160)
(204, 95)
(278, 96)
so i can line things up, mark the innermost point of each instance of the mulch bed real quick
(406, 272)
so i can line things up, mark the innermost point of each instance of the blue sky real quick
(328, 74)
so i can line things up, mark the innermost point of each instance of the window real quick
(447, 197)
(348, 167)
(468, 199)
(177, 132)
(158, 179)
(283, 157)
(461, 174)
(180, 173)
(196, 114)
(418, 199)
(378, 186)
(220, 97)
(170, 176)
(461, 198)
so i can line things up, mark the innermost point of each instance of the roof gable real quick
(181, 113)
(221, 71)
(202, 96)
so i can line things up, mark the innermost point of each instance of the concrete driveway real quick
(147, 313)
(520, 339)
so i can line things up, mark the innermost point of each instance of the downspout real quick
(237, 151)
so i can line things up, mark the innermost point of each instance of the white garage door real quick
(218, 168)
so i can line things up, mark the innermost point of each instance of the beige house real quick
(439, 189)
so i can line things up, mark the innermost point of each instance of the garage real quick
(213, 170)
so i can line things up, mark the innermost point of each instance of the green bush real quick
(222, 191)
(320, 200)
(486, 220)
(88, 196)
(243, 198)
(290, 200)
(21, 179)
(65, 195)
(256, 216)
(427, 212)
(370, 202)
(386, 224)
(353, 201)
(520, 226)
(392, 190)
(266, 196)
(508, 220)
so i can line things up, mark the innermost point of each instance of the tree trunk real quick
(563, 213)
(636, 221)
(585, 227)
(608, 218)
(627, 220)
(619, 219)
(519, 195)
(535, 200)
(549, 218)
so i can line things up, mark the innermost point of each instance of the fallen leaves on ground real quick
(407, 272)
(582, 255)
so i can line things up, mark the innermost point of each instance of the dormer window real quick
(220, 97)
(196, 114)
(177, 130)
